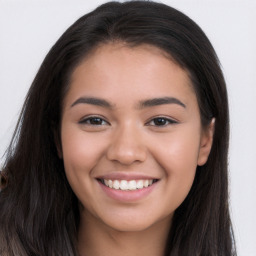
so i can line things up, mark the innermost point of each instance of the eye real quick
(93, 121)
(161, 121)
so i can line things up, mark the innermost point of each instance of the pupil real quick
(96, 121)
(160, 121)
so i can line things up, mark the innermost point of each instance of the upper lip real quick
(126, 176)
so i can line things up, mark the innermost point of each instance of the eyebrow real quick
(160, 101)
(143, 104)
(93, 101)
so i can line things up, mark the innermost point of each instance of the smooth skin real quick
(114, 123)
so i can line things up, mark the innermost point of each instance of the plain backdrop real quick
(29, 28)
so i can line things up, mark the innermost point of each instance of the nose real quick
(127, 147)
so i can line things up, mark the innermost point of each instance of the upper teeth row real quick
(128, 185)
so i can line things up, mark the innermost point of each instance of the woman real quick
(121, 147)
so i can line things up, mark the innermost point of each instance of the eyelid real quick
(84, 120)
(90, 117)
(171, 121)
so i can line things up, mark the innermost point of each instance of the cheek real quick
(177, 156)
(81, 152)
(178, 152)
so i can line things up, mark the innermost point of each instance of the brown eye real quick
(97, 121)
(161, 121)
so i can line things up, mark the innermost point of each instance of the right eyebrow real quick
(93, 101)
(161, 101)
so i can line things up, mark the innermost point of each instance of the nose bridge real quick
(127, 145)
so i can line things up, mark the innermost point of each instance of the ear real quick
(206, 143)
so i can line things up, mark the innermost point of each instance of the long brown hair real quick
(39, 211)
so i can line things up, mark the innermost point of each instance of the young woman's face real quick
(131, 136)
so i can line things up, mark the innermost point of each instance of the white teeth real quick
(140, 184)
(123, 185)
(110, 183)
(128, 185)
(145, 183)
(132, 185)
(116, 184)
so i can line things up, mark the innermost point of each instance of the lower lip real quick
(127, 195)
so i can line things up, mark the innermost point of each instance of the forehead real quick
(117, 70)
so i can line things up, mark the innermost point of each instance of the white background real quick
(29, 28)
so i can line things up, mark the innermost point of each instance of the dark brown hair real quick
(39, 212)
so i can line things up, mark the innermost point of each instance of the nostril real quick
(126, 154)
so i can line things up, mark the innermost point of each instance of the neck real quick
(97, 239)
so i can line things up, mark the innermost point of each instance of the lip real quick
(127, 196)
(125, 176)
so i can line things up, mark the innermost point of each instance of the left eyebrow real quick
(93, 101)
(160, 101)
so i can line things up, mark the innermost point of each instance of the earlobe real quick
(206, 143)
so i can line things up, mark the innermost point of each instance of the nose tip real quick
(127, 149)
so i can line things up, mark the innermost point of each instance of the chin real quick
(135, 223)
(130, 227)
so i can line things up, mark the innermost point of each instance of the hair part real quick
(39, 211)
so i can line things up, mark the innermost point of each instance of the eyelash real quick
(165, 121)
(88, 121)
(162, 121)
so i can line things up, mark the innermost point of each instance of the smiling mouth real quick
(126, 185)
